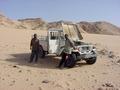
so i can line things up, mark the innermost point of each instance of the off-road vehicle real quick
(54, 43)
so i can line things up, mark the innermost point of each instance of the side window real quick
(53, 35)
(62, 36)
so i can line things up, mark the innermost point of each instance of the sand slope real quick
(17, 74)
(100, 27)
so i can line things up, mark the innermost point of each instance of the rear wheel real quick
(91, 60)
(41, 52)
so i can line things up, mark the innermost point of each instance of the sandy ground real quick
(17, 74)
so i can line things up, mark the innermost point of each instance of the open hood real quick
(72, 30)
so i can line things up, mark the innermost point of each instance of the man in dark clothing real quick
(69, 44)
(34, 46)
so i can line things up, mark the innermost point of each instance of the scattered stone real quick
(68, 89)
(74, 78)
(39, 88)
(93, 75)
(85, 71)
(67, 84)
(11, 84)
(100, 88)
(29, 70)
(95, 80)
(13, 81)
(93, 86)
(58, 85)
(104, 73)
(27, 79)
(20, 71)
(111, 54)
(107, 88)
(53, 83)
(45, 81)
(31, 84)
(103, 52)
(108, 65)
(3, 79)
(15, 66)
(68, 75)
(118, 61)
(107, 85)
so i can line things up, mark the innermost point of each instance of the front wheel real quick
(91, 60)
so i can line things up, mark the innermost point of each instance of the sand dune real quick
(17, 74)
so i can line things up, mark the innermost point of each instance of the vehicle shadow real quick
(49, 62)
(22, 59)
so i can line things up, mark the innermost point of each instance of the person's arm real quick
(31, 45)
(39, 43)
(71, 43)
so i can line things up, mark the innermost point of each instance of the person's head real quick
(35, 35)
(66, 36)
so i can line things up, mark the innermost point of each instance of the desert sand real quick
(17, 74)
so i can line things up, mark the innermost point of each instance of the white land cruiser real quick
(54, 43)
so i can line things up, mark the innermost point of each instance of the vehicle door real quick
(53, 41)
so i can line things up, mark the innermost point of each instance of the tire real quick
(71, 61)
(91, 60)
(41, 52)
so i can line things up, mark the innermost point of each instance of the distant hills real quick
(101, 27)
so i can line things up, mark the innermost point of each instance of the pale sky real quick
(71, 10)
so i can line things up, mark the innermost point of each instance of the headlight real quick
(94, 48)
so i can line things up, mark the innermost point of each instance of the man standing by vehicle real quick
(34, 47)
(69, 44)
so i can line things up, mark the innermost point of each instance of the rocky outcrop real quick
(101, 27)
(33, 23)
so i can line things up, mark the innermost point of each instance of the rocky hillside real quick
(33, 23)
(6, 22)
(101, 27)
